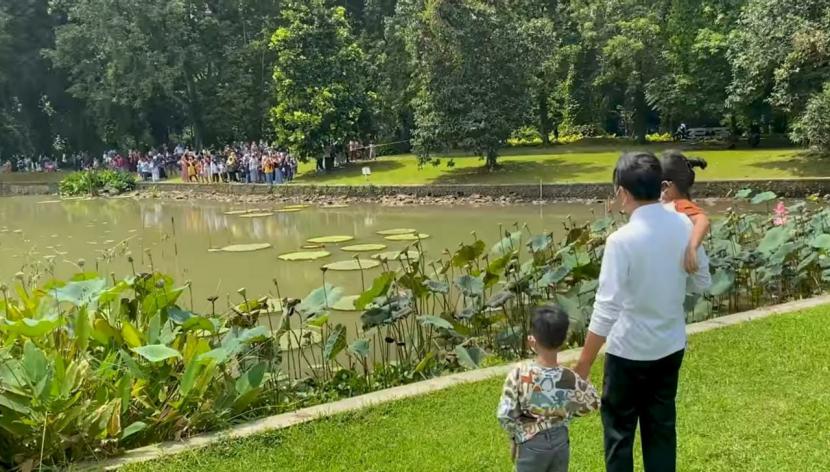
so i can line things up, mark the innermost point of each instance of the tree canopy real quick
(87, 75)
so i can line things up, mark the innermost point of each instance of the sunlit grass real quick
(752, 398)
(564, 165)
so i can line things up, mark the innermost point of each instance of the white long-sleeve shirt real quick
(642, 285)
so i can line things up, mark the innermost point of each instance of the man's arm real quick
(607, 304)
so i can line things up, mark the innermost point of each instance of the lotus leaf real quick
(319, 300)
(395, 255)
(435, 322)
(157, 352)
(346, 303)
(256, 215)
(335, 343)
(312, 246)
(330, 239)
(397, 231)
(360, 348)
(352, 264)
(304, 256)
(299, 338)
(821, 241)
(296, 207)
(365, 248)
(763, 198)
(408, 237)
(289, 210)
(246, 247)
(469, 357)
(236, 212)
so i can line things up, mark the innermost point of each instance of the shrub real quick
(93, 182)
(659, 138)
(92, 366)
(813, 127)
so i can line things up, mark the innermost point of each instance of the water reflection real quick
(174, 236)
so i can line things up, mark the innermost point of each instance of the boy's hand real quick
(690, 261)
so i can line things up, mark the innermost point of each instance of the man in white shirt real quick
(639, 313)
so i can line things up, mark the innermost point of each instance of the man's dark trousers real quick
(641, 391)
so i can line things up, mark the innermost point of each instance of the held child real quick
(540, 397)
(678, 178)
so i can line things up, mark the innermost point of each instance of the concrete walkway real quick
(406, 391)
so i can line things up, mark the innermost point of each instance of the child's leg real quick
(548, 451)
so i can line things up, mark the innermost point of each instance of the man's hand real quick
(582, 369)
(690, 261)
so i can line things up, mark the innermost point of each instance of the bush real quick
(91, 366)
(659, 138)
(813, 127)
(93, 182)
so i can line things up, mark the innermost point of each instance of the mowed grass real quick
(753, 397)
(566, 164)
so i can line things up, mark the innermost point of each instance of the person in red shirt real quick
(678, 179)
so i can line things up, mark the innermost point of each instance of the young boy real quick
(540, 397)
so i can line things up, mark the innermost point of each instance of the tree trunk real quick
(491, 156)
(544, 116)
(639, 118)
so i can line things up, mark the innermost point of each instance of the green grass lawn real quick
(565, 164)
(753, 397)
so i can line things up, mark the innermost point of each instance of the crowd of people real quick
(245, 163)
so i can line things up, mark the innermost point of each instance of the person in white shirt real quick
(639, 313)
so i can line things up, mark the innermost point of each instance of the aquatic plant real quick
(95, 182)
(90, 366)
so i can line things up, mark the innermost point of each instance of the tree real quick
(475, 62)
(319, 75)
(150, 68)
(779, 54)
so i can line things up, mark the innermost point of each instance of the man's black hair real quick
(680, 170)
(549, 325)
(640, 174)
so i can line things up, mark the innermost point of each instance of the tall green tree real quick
(319, 79)
(780, 55)
(475, 62)
(147, 69)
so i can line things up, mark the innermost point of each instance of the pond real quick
(175, 237)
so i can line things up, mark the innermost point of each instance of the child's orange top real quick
(687, 207)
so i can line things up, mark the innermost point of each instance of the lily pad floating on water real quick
(361, 264)
(214, 249)
(397, 231)
(304, 256)
(289, 210)
(336, 205)
(236, 212)
(299, 338)
(346, 303)
(365, 248)
(331, 239)
(46, 202)
(256, 215)
(408, 237)
(246, 247)
(296, 207)
(312, 246)
(395, 255)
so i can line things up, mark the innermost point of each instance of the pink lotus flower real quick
(781, 214)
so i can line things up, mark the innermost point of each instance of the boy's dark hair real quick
(680, 170)
(640, 174)
(549, 325)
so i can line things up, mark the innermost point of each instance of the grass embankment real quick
(566, 164)
(753, 397)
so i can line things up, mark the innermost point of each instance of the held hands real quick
(583, 370)
(690, 260)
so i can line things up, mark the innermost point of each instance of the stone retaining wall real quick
(794, 188)
(34, 188)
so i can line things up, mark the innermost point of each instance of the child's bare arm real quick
(699, 230)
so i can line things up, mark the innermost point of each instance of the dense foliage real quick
(95, 182)
(93, 365)
(90, 74)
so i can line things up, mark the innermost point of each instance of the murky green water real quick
(175, 236)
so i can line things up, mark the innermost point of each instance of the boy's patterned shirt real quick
(537, 398)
